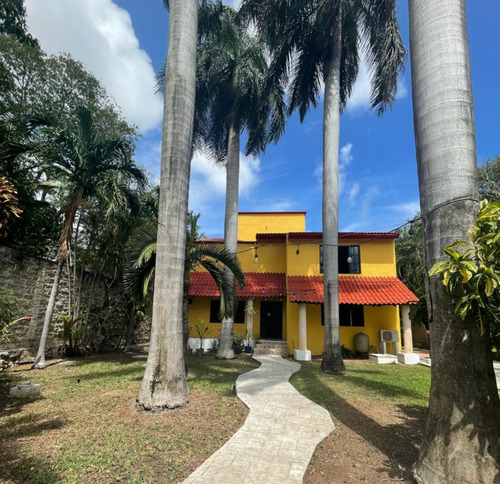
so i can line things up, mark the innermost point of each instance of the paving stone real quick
(279, 436)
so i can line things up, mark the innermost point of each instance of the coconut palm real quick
(461, 440)
(86, 167)
(164, 384)
(233, 97)
(141, 258)
(317, 43)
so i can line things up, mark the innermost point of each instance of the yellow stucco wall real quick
(250, 224)
(271, 258)
(376, 318)
(377, 259)
(200, 309)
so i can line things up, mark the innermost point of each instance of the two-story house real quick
(283, 296)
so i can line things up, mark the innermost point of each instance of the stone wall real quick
(103, 303)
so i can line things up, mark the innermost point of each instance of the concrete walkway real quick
(279, 435)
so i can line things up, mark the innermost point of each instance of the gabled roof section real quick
(265, 284)
(368, 291)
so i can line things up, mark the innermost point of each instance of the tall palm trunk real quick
(462, 435)
(225, 349)
(39, 363)
(332, 356)
(164, 384)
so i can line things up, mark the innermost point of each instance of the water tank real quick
(361, 343)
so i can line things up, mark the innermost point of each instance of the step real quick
(271, 348)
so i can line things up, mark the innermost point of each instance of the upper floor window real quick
(349, 259)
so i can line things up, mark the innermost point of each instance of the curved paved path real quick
(278, 438)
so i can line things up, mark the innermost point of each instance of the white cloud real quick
(353, 192)
(100, 34)
(233, 3)
(361, 92)
(407, 210)
(207, 189)
(345, 155)
(360, 96)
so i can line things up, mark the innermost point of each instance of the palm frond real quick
(141, 247)
(385, 51)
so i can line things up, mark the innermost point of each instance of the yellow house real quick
(283, 296)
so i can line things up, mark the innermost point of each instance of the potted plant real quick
(238, 343)
(202, 331)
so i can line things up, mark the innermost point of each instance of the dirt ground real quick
(371, 443)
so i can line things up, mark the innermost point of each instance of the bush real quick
(238, 344)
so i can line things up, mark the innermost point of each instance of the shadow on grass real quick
(17, 468)
(398, 441)
(221, 375)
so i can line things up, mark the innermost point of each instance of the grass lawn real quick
(90, 431)
(379, 413)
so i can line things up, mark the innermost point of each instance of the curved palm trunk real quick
(225, 349)
(462, 435)
(39, 363)
(332, 356)
(164, 384)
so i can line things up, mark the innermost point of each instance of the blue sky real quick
(123, 42)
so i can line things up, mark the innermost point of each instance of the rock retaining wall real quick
(103, 303)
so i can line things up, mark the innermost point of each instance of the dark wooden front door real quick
(271, 320)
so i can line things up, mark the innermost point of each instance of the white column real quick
(407, 336)
(302, 354)
(302, 327)
(408, 357)
(249, 311)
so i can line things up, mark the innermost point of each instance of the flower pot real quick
(248, 349)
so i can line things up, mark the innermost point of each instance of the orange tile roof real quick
(370, 291)
(265, 284)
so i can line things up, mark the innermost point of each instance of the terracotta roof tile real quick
(267, 284)
(370, 291)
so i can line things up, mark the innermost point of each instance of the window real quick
(349, 259)
(239, 312)
(349, 315)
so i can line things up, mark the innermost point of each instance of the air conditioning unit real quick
(389, 336)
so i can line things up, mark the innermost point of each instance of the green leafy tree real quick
(471, 274)
(410, 268)
(86, 167)
(13, 21)
(141, 257)
(315, 43)
(489, 179)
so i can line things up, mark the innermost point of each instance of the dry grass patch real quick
(90, 431)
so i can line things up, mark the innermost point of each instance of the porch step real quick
(271, 347)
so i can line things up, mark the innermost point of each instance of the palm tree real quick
(85, 166)
(316, 43)
(232, 96)
(141, 258)
(164, 383)
(461, 439)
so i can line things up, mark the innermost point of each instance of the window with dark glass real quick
(349, 315)
(349, 259)
(239, 312)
